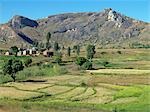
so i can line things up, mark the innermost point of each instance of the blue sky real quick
(34, 9)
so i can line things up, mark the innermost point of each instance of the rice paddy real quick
(99, 90)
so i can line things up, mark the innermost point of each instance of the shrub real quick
(87, 65)
(80, 60)
(47, 65)
(58, 58)
(59, 70)
(90, 51)
(5, 78)
(105, 63)
(83, 84)
(119, 52)
(27, 62)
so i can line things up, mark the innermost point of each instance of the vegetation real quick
(76, 49)
(14, 50)
(90, 51)
(48, 37)
(35, 43)
(80, 60)
(12, 67)
(56, 46)
(87, 65)
(58, 57)
(66, 88)
(69, 51)
(28, 62)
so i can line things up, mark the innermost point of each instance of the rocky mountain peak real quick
(104, 28)
(18, 22)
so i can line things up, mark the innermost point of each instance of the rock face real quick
(18, 22)
(102, 28)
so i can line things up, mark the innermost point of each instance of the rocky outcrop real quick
(18, 22)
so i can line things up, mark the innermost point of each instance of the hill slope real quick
(107, 28)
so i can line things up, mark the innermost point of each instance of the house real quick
(19, 53)
(48, 53)
(25, 52)
(8, 53)
(33, 51)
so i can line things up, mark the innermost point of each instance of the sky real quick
(35, 9)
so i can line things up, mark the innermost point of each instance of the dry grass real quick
(85, 95)
(119, 79)
(111, 86)
(120, 71)
(28, 85)
(74, 92)
(102, 95)
(9, 92)
(56, 89)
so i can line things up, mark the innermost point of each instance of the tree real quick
(28, 62)
(13, 66)
(35, 43)
(69, 51)
(41, 45)
(80, 60)
(78, 50)
(90, 51)
(48, 45)
(48, 37)
(14, 50)
(56, 46)
(58, 57)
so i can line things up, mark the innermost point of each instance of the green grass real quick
(34, 71)
(129, 92)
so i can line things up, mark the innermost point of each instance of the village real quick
(31, 52)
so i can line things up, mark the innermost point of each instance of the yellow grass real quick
(9, 92)
(28, 85)
(56, 89)
(72, 93)
(102, 95)
(86, 94)
(111, 86)
(59, 79)
(120, 71)
(75, 80)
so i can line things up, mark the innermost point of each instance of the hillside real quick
(105, 29)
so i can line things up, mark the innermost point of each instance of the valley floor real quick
(109, 89)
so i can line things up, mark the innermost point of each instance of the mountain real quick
(106, 29)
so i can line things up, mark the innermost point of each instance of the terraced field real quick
(122, 86)
(69, 90)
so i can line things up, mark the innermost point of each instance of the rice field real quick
(100, 90)
(120, 71)
(12, 93)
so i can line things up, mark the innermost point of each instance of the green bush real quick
(80, 60)
(119, 52)
(5, 78)
(87, 65)
(58, 57)
(105, 63)
(57, 69)
(27, 62)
